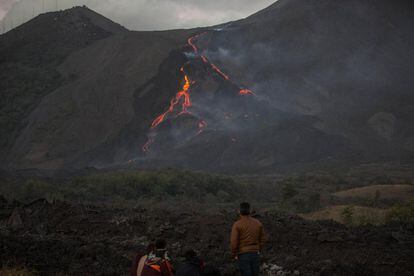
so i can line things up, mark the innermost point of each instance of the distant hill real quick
(299, 84)
(404, 193)
(29, 60)
(71, 82)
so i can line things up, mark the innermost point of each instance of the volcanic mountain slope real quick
(299, 82)
(331, 81)
(346, 63)
(29, 57)
(92, 99)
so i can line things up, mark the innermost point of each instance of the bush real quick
(15, 272)
(128, 187)
(348, 214)
(403, 214)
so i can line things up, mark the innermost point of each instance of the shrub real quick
(15, 272)
(403, 214)
(347, 214)
(128, 187)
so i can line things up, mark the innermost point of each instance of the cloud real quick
(158, 14)
(5, 5)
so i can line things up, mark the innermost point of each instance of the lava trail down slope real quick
(181, 103)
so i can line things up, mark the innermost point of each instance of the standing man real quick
(247, 240)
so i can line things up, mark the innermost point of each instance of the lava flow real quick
(183, 96)
(246, 92)
(190, 42)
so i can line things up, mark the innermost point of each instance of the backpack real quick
(153, 266)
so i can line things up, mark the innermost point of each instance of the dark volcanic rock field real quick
(54, 238)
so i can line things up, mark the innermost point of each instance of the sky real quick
(150, 14)
(5, 5)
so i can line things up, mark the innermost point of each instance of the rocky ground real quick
(71, 239)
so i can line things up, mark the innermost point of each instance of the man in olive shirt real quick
(247, 240)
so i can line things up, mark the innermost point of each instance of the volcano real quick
(300, 83)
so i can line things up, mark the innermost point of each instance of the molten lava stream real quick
(215, 68)
(201, 126)
(219, 71)
(246, 92)
(183, 95)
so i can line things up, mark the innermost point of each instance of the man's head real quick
(244, 209)
(189, 254)
(160, 244)
(160, 248)
(150, 248)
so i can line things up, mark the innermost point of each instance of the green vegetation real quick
(402, 213)
(131, 186)
(348, 214)
(7, 271)
(314, 196)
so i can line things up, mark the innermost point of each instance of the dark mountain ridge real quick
(323, 81)
(29, 58)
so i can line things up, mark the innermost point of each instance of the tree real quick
(288, 192)
(377, 198)
(347, 214)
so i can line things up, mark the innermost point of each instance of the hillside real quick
(299, 84)
(94, 71)
(397, 192)
(29, 60)
(346, 64)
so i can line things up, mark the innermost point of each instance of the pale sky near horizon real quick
(5, 5)
(153, 14)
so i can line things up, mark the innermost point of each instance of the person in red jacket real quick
(154, 263)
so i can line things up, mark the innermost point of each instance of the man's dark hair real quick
(189, 254)
(244, 208)
(210, 270)
(150, 248)
(160, 244)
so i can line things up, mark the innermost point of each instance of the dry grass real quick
(401, 192)
(359, 215)
(15, 272)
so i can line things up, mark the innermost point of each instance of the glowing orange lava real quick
(215, 68)
(183, 96)
(205, 60)
(201, 126)
(191, 43)
(220, 72)
(246, 92)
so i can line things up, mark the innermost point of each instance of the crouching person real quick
(194, 266)
(155, 262)
(247, 240)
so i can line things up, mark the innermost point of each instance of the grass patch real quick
(350, 215)
(401, 192)
(6, 271)
(129, 187)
